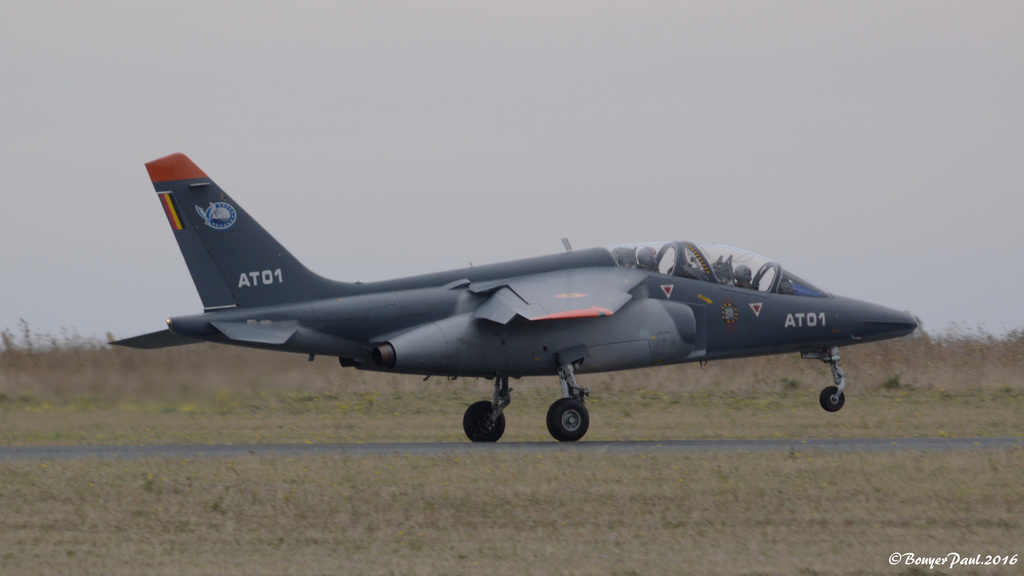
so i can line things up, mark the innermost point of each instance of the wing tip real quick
(173, 167)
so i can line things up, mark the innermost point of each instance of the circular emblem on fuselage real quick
(218, 215)
(730, 313)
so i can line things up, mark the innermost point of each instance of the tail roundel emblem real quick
(218, 215)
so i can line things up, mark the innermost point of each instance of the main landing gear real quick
(568, 419)
(832, 397)
(484, 421)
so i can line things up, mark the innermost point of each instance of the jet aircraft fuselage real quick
(598, 309)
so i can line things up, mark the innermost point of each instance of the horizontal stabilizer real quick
(261, 333)
(154, 340)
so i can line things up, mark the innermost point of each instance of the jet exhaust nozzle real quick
(384, 355)
(196, 326)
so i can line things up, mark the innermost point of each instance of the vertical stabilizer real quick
(232, 259)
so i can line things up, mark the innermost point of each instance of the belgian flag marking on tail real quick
(172, 212)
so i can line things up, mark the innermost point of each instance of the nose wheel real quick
(832, 397)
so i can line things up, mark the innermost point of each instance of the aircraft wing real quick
(580, 293)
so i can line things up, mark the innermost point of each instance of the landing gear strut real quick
(484, 421)
(832, 397)
(568, 419)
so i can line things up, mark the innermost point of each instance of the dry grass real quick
(77, 393)
(436, 415)
(563, 513)
(50, 367)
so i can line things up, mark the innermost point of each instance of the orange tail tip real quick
(173, 167)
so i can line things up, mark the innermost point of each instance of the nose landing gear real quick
(832, 398)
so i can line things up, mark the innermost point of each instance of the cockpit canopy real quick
(714, 263)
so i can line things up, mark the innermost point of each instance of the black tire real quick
(477, 423)
(568, 420)
(826, 399)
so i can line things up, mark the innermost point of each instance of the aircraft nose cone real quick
(882, 323)
(868, 322)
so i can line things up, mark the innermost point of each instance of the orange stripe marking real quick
(592, 312)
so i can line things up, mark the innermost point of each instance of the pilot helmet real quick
(742, 273)
(645, 258)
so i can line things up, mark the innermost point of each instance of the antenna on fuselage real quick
(565, 242)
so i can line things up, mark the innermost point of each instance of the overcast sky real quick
(874, 148)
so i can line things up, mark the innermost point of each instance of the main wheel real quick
(829, 401)
(568, 420)
(478, 425)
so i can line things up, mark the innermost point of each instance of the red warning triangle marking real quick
(667, 289)
(756, 307)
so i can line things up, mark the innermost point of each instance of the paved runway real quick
(689, 446)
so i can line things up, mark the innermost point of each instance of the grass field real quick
(764, 513)
(810, 513)
(75, 393)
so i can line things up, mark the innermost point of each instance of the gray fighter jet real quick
(592, 310)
